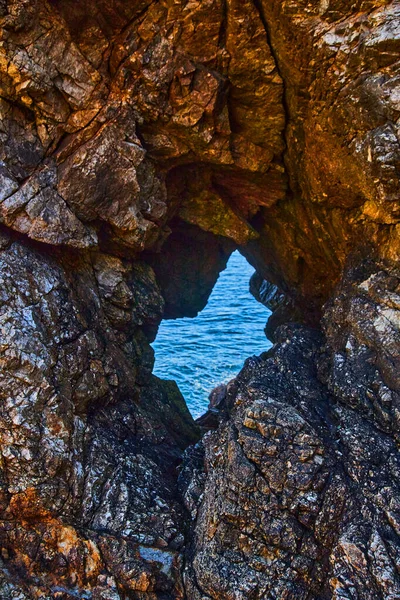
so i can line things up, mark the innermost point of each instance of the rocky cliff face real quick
(296, 495)
(141, 143)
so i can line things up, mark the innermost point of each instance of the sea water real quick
(210, 349)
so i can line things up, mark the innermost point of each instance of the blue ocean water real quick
(210, 349)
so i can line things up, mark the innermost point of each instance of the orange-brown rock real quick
(340, 64)
(140, 143)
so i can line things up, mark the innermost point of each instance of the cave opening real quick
(204, 351)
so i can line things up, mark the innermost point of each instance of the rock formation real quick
(141, 143)
(297, 494)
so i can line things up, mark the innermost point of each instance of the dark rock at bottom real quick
(296, 494)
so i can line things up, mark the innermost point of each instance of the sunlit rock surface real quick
(141, 143)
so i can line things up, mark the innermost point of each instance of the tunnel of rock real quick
(133, 130)
(209, 350)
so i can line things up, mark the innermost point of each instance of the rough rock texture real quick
(296, 495)
(340, 65)
(271, 123)
(141, 142)
(282, 306)
(89, 438)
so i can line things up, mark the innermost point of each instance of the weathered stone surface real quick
(233, 100)
(283, 308)
(103, 95)
(140, 144)
(295, 495)
(363, 345)
(340, 65)
(88, 450)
